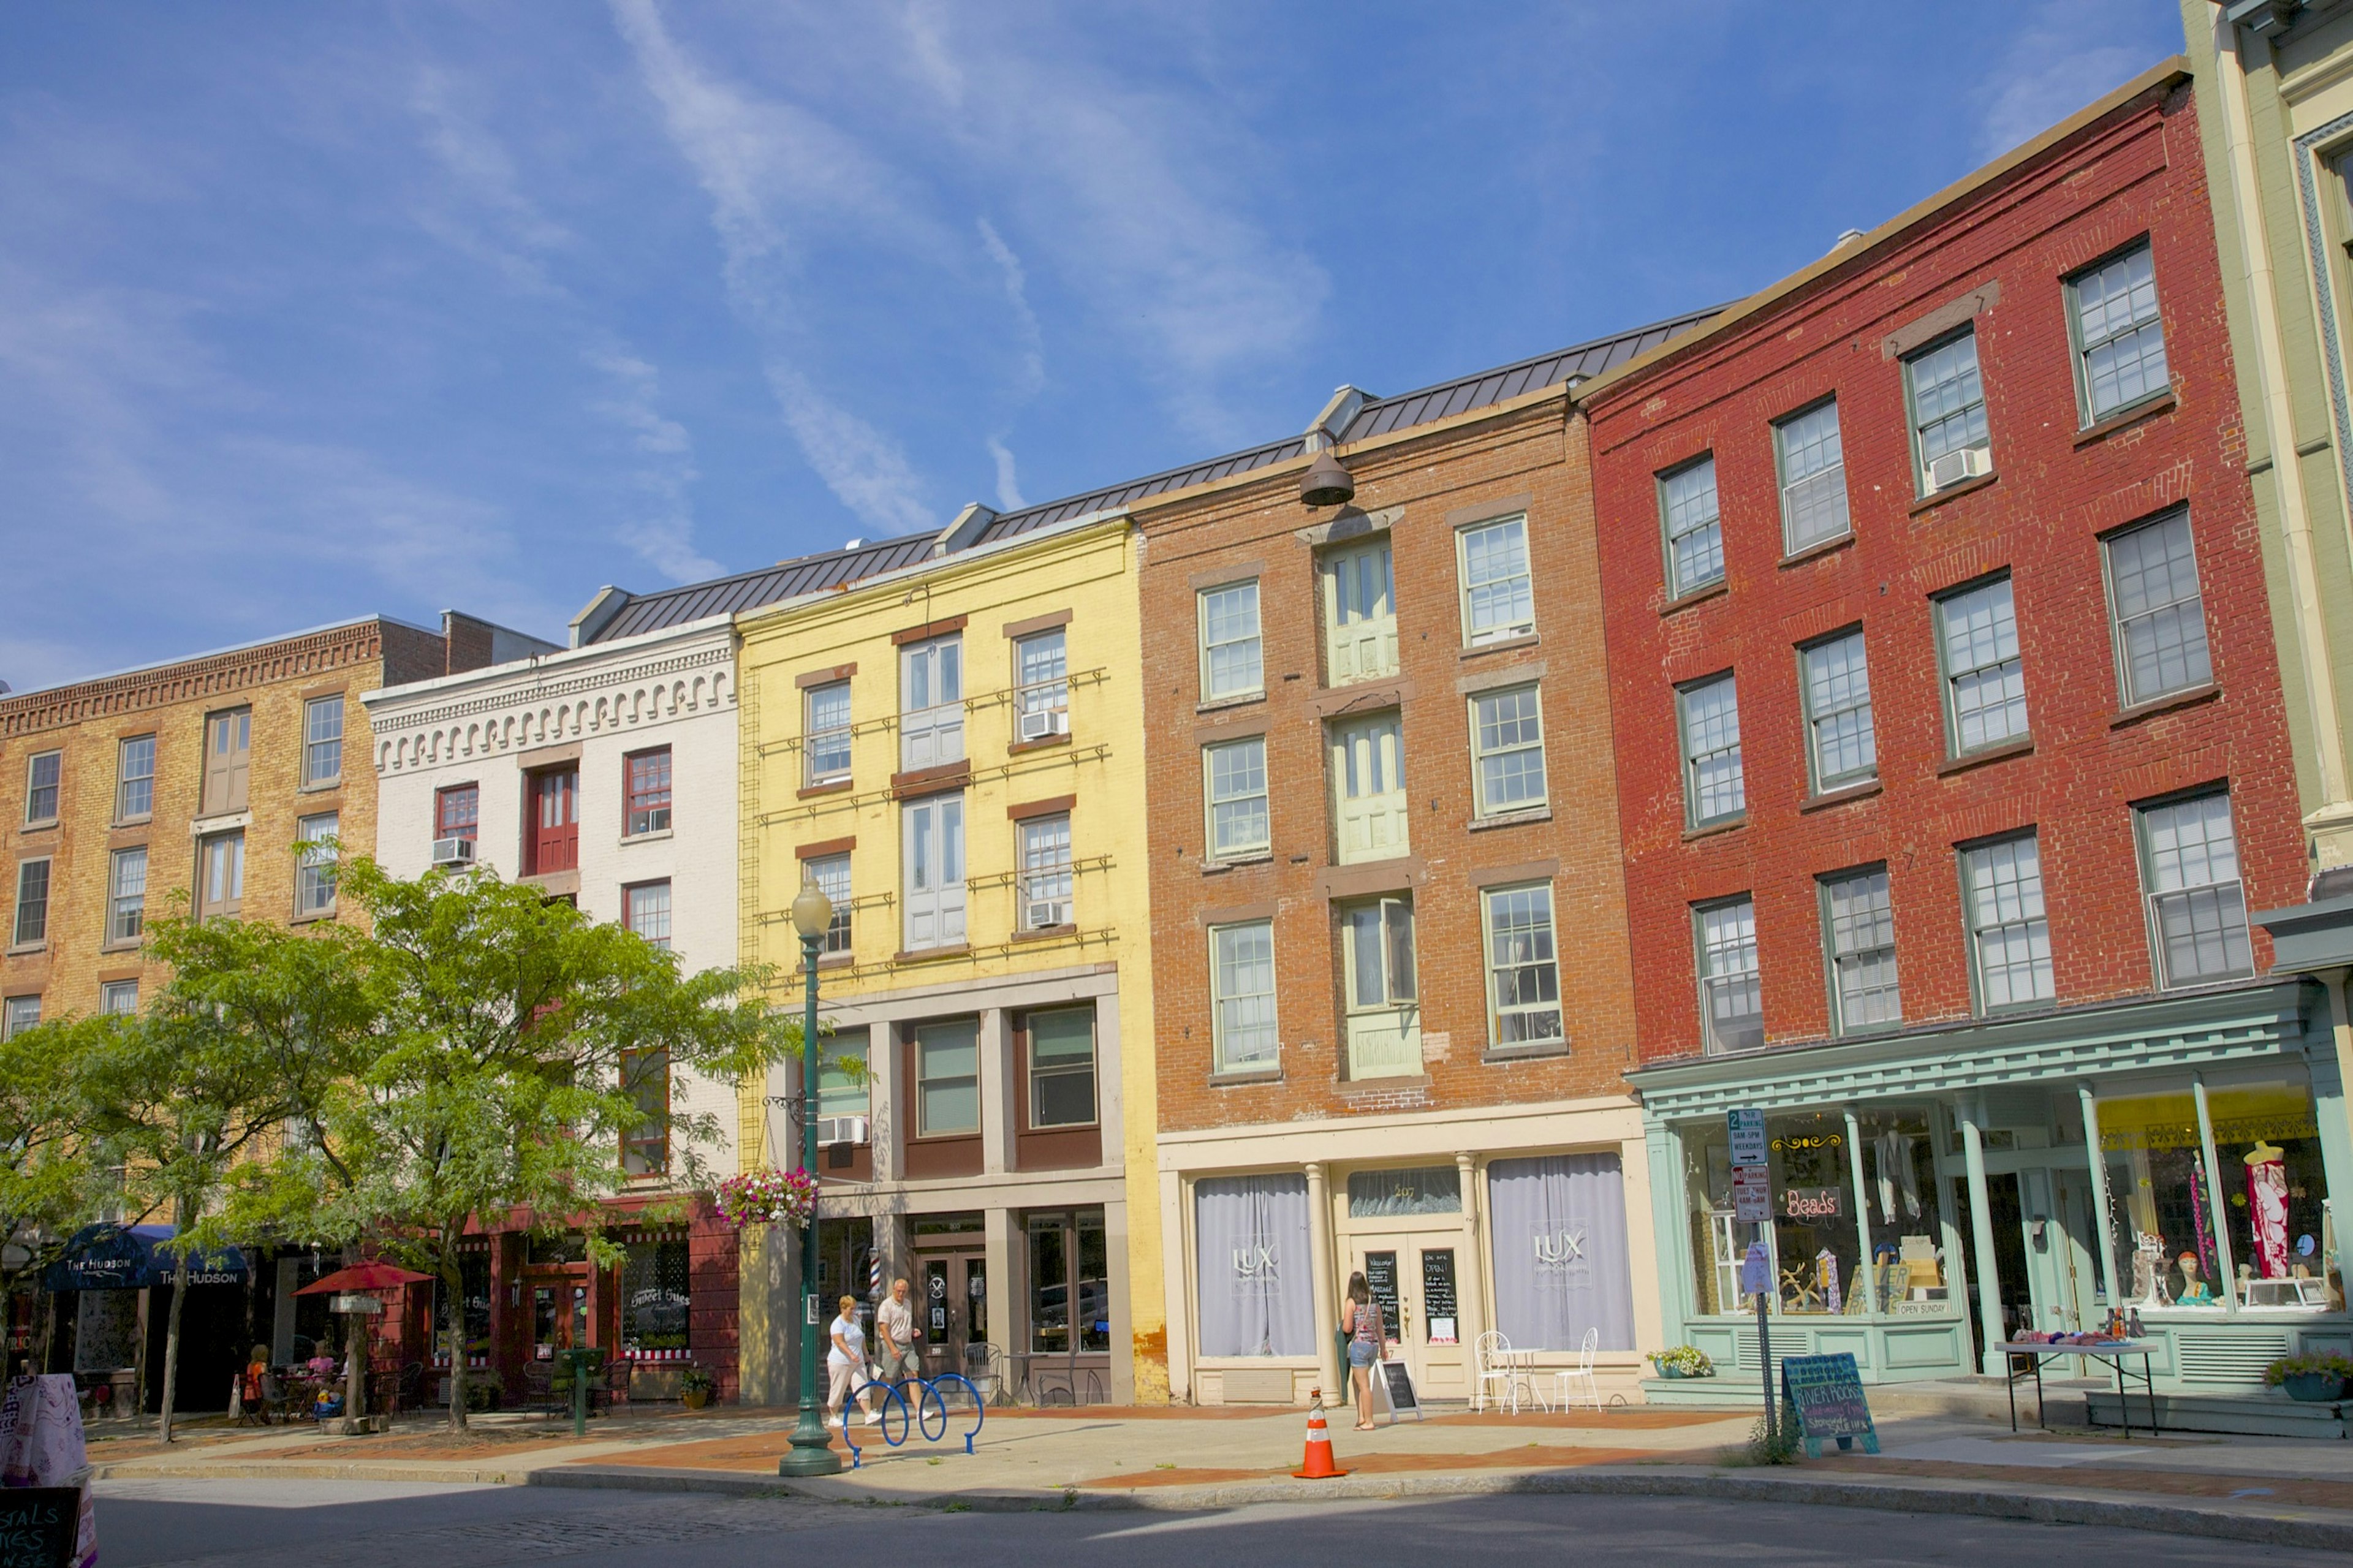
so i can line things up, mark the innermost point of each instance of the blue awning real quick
(132, 1257)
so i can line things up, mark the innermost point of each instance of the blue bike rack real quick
(918, 1418)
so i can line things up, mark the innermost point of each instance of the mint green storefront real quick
(1938, 1189)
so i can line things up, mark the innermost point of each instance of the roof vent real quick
(1846, 237)
(853, 544)
(1325, 483)
(1346, 403)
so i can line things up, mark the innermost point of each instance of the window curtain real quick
(1559, 1229)
(1251, 1265)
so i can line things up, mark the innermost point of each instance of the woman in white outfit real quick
(847, 1363)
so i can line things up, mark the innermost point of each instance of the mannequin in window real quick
(2195, 1292)
(2267, 1197)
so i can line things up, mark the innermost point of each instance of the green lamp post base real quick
(812, 1454)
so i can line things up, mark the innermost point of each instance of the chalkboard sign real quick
(1380, 1273)
(37, 1526)
(1824, 1394)
(1438, 1295)
(1396, 1385)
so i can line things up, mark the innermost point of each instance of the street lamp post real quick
(811, 1453)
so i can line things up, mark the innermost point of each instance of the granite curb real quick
(2321, 1529)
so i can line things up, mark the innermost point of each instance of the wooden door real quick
(555, 821)
(229, 761)
(1359, 614)
(1368, 787)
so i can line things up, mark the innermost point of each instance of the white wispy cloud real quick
(1008, 487)
(2047, 74)
(1032, 374)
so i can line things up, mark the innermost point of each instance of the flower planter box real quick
(2313, 1387)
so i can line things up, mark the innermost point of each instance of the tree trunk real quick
(355, 1338)
(172, 1341)
(453, 1296)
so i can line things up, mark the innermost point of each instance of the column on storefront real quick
(1320, 1276)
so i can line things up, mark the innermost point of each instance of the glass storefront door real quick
(952, 1291)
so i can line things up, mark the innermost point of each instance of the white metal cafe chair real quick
(1492, 1352)
(1570, 1379)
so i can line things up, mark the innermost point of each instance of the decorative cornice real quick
(293, 658)
(529, 711)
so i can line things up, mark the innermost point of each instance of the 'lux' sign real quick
(1560, 1248)
(1251, 1262)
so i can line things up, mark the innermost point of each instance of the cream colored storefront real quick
(1531, 1220)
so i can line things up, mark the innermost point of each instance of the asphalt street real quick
(304, 1524)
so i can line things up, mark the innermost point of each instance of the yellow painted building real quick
(954, 751)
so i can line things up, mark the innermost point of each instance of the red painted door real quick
(555, 819)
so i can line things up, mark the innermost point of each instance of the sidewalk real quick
(2270, 1490)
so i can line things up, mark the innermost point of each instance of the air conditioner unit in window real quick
(1047, 721)
(832, 1129)
(453, 852)
(1041, 913)
(1968, 463)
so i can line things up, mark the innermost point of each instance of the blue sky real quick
(311, 310)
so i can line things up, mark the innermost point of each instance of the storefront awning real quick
(133, 1258)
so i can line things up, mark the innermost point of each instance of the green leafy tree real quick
(48, 1189)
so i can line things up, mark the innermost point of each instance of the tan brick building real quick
(1388, 921)
(193, 780)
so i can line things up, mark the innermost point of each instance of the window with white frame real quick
(933, 858)
(42, 773)
(2159, 615)
(1236, 775)
(1841, 745)
(1046, 872)
(1949, 410)
(117, 998)
(1384, 1013)
(2197, 905)
(2119, 342)
(1731, 997)
(644, 909)
(32, 922)
(831, 874)
(126, 900)
(1694, 538)
(1985, 683)
(323, 741)
(1858, 943)
(931, 703)
(2010, 936)
(314, 865)
(1041, 679)
(1241, 988)
(1708, 713)
(1813, 477)
(1359, 613)
(19, 1014)
(1061, 1068)
(1233, 657)
(134, 778)
(1499, 598)
(1507, 757)
(825, 731)
(1522, 967)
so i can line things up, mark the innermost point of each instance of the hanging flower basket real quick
(767, 1197)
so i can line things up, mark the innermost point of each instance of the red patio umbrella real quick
(363, 1277)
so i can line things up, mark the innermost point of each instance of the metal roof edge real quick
(2166, 73)
(933, 563)
(554, 657)
(10, 697)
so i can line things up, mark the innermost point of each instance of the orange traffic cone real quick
(1316, 1464)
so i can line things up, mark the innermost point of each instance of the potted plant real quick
(767, 1196)
(696, 1386)
(483, 1387)
(2315, 1377)
(1683, 1361)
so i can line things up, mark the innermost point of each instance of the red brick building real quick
(1951, 757)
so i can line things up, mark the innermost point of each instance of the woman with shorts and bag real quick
(1362, 1324)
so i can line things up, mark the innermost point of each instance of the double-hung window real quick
(644, 909)
(1061, 1068)
(645, 1078)
(1522, 967)
(1859, 945)
(931, 703)
(134, 779)
(1046, 872)
(948, 1080)
(1731, 998)
(830, 875)
(117, 998)
(2197, 906)
(32, 923)
(2010, 936)
(1235, 772)
(645, 799)
(458, 812)
(2160, 618)
(1694, 537)
(1840, 742)
(1507, 750)
(825, 733)
(1359, 614)
(323, 741)
(1232, 657)
(19, 1015)
(314, 865)
(1241, 991)
(1985, 683)
(933, 860)
(1499, 598)
(126, 896)
(1041, 675)
(2119, 342)
(1708, 712)
(1948, 413)
(1813, 477)
(42, 774)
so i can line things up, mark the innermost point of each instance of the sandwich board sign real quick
(1394, 1383)
(1823, 1393)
